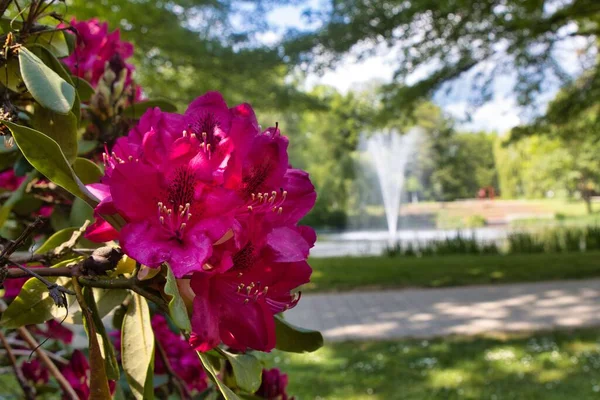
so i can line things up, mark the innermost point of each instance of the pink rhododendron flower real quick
(95, 47)
(212, 196)
(273, 386)
(9, 181)
(237, 307)
(182, 358)
(36, 372)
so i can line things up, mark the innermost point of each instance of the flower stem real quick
(28, 390)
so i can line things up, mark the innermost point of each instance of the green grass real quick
(549, 366)
(349, 273)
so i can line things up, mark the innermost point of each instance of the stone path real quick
(437, 312)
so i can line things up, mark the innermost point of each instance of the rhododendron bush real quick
(170, 240)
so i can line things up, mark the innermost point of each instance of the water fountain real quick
(390, 151)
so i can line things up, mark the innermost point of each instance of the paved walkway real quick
(438, 312)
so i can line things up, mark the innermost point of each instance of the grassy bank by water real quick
(350, 273)
(549, 366)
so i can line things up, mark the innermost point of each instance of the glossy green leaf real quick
(45, 155)
(247, 370)
(15, 196)
(34, 305)
(54, 41)
(62, 128)
(83, 87)
(55, 240)
(45, 85)
(295, 339)
(136, 110)
(177, 308)
(52, 62)
(106, 347)
(80, 212)
(137, 345)
(225, 391)
(87, 171)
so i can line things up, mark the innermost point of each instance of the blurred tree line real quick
(185, 47)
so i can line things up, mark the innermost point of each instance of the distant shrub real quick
(475, 221)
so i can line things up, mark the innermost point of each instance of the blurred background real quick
(451, 142)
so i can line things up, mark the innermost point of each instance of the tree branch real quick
(27, 388)
(62, 381)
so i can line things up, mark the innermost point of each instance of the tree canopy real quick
(446, 39)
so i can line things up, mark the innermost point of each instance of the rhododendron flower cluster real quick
(214, 197)
(95, 47)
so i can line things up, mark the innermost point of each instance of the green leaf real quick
(52, 62)
(54, 41)
(80, 212)
(10, 24)
(34, 305)
(137, 346)
(177, 308)
(295, 339)
(99, 389)
(62, 128)
(106, 347)
(106, 301)
(87, 170)
(14, 198)
(225, 391)
(56, 240)
(86, 146)
(247, 370)
(45, 155)
(136, 110)
(10, 76)
(83, 87)
(45, 85)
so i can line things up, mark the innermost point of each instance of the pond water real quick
(364, 243)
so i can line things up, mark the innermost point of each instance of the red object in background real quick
(486, 192)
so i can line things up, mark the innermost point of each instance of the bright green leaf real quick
(56, 240)
(295, 339)
(225, 391)
(136, 110)
(45, 155)
(34, 305)
(247, 370)
(62, 128)
(83, 87)
(137, 345)
(177, 308)
(87, 170)
(54, 41)
(45, 85)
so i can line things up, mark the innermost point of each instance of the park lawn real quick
(549, 366)
(351, 273)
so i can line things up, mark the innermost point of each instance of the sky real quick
(499, 115)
